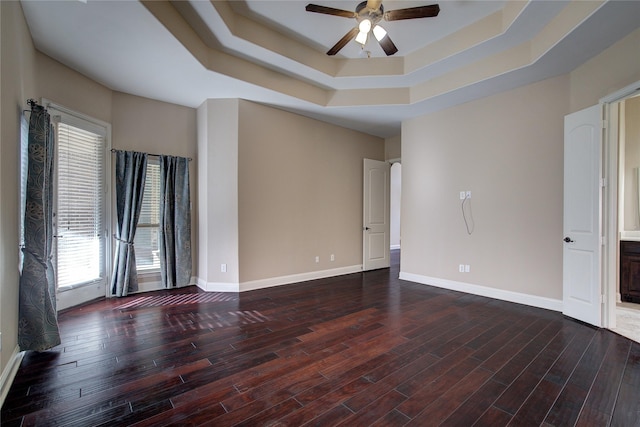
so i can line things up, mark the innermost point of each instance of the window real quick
(146, 241)
(79, 217)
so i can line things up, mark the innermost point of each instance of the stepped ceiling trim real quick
(273, 52)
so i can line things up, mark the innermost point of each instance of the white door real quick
(582, 219)
(376, 223)
(80, 215)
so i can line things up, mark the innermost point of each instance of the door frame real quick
(77, 295)
(611, 149)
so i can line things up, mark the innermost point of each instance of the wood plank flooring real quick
(364, 349)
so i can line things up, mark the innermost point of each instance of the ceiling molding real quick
(186, 52)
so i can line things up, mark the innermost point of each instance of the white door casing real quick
(376, 213)
(84, 290)
(581, 290)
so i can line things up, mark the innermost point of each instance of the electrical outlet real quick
(467, 268)
(468, 195)
(317, 259)
(461, 268)
(333, 257)
(462, 195)
(223, 268)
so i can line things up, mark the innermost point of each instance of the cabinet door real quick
(630, 277)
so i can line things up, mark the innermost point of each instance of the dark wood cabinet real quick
(630, 271)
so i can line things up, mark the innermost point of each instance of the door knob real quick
(568, 240)
(367, 228)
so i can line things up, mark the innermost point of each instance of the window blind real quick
(147, 233)
(79, 218)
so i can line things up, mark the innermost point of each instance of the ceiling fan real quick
(368, 14)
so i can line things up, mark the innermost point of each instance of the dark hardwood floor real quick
(358, 350)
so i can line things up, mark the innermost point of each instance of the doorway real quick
(381, 178)
(375, 215)
(612, 209)
(626, 311)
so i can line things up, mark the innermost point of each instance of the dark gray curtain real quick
(175, 221)
(131, 171)
(38, 323)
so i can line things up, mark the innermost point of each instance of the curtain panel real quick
(131, 172)
(175, 222)
(38, 322)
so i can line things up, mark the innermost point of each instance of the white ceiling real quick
(323, 31)
(273, 52)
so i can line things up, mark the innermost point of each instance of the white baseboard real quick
(217, 286)
(501, 294)
(9, 373)
(394, 247)
(276, 281)
(302, 277)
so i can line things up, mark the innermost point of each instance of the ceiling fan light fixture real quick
(362, 38)
(365, 26)
(368, 14)
(379, 32)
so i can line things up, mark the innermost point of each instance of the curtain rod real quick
(32, 103)
(113, 150)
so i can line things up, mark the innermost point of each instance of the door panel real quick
(80, 218)
(376, 209)
(582, 215)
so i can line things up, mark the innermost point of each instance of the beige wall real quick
(509, 155)
(66, 87)
(300, 193)
(392, 148)
(153, 126)
(16, 85)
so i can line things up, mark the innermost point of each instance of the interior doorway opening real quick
(611, 212)
(625, 307)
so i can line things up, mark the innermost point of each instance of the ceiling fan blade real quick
(412, 12)
(374, 4)
(330, 11)
(343, 41)
(387, 45)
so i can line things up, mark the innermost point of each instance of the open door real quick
(581, 291)
(376, 222)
